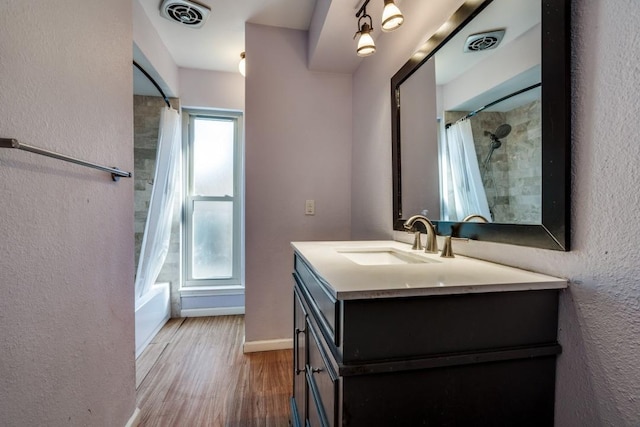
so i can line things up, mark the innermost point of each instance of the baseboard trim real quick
(207, 291)
(205, 312)
(267, 345)
(134, 421)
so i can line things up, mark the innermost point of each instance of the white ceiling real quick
(516, 16)
(217, 45)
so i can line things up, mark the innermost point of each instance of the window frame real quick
(236, 280)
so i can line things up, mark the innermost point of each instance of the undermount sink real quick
(382, 256)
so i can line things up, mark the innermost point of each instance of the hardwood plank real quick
(146, 360)
(202, 378)
(168, 331)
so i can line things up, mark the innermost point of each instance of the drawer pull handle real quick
(316, 370)
(295, 354)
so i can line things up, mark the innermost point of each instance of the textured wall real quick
(298, 147)
(146, 122)
(66, 232)
(598, 379)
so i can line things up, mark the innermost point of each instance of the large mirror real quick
(480, 125)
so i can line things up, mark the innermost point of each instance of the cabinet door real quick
(299, 361)
(322, 384)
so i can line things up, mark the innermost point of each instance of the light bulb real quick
(242, 65)
(391, 16)
(366, 46)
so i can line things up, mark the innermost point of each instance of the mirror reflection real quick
(471, 126)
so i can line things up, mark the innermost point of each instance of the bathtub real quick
(152, 312)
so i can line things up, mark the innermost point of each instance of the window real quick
(213, 199)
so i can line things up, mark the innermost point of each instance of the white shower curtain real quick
(157, 230)
(462, 189)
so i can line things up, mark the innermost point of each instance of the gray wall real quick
(419, 155)
(298, 147)
(211, 89)
(598, 380)
(66, 232)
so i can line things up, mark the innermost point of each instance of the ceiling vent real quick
(483, 41)
(188, 13)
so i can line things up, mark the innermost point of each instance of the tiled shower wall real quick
(146, 111)
(524, 151)
(513, 176)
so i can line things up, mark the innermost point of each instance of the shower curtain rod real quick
(14, 143)
(491, 104)
(147, 75)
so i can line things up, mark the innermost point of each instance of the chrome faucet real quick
(432, 242)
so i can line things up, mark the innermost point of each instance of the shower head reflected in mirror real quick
(501, 132)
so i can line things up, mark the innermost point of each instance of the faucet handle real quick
(417, 244)
(447, 249)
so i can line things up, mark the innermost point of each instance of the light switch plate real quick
(310, 207)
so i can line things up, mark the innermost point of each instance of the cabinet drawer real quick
(408, 328)
(323, 304)
(323, 384)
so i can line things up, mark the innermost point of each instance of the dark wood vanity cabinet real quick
(299, 400)
(477, 359)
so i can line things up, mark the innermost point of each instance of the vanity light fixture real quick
(242, 65)
(391, 16)
(366, 46)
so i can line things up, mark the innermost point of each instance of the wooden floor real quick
(195, 374)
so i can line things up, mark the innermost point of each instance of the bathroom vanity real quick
(387, 336)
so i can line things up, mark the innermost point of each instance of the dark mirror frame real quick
(553, 233)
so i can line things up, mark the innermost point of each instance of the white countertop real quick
(347, 279)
